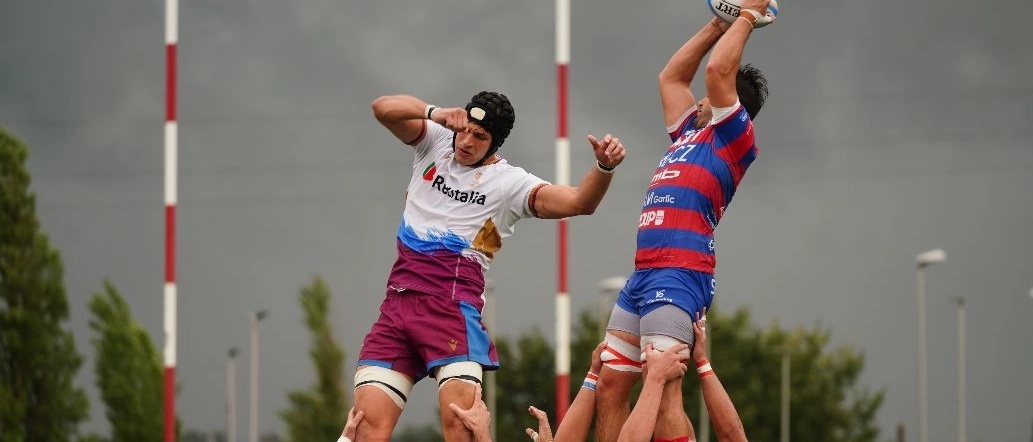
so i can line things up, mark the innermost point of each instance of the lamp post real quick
(784, 424)
(609, 288)
(489, 377)
(253, 318)
(231, 396)
(961, 369)
(923, 260)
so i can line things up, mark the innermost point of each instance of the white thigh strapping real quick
(466, 371)
(621, 355)
(661, 343)
(395, 384)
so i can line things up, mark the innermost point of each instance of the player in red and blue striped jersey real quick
(712, 145)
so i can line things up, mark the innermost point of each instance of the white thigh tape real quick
(621, 355)
(661, 343)
(466, 371)
(395, 384)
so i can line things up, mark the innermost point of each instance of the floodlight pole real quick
(923, 260)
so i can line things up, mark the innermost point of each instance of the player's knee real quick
(621, 355)
(450, 422)
(394, 384)
(611, 398)
(614, 389)
(465, 371)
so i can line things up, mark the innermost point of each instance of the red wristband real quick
(704, 369)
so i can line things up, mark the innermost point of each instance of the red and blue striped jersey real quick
(691, 189)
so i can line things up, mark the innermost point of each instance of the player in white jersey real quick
(463, 199)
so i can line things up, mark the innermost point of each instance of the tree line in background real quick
(38, 359)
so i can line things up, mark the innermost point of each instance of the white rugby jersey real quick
(461, 209)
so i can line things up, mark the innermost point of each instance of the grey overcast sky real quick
(892, 127)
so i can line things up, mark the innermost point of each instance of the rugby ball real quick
(728, 10)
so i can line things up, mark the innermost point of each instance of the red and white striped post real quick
(562, 178)
(171, 25)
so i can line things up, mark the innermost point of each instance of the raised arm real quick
(403, 115)
(660, 367)
(723, 65)
(727, 424)
(558, 201)
(677, 75)
(574, 427)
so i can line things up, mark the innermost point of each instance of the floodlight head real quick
(613, 284)
(930, 257)
(233, 352)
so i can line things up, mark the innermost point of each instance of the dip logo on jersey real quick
(469, 196)
(651, 218)
(429, 172)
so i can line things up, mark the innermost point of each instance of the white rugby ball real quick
(728, 10)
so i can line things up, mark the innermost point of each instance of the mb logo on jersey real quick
(665, 174)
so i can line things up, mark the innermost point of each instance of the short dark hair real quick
(752, 88)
